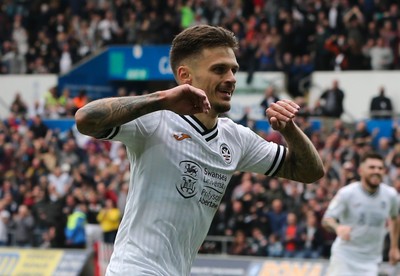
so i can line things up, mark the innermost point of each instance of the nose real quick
(231, 77)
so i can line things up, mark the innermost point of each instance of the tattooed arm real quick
(98, 117)
(302, 162)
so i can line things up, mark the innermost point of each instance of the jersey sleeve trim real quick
(111, 134)
(278, 161)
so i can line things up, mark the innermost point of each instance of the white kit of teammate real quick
(360, 218)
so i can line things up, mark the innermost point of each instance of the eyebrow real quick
(236, 66)
(376, 166)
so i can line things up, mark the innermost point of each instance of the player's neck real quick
(209, 120)
(369, 189)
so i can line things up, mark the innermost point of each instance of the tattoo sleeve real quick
(302, 162)
(98, 117)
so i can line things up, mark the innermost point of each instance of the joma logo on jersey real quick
(190, 174)
(181, 136)
(225, 153)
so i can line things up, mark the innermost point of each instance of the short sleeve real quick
(133, 132)
(336, 207)
(259, 155)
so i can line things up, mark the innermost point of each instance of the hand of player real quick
(280, 113)
(343, 231)
(394, 255)
(186, 100)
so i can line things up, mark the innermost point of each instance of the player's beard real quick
(373, 184)
(221, 108)
(223, 102)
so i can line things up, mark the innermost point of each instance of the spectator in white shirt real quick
(61, 179)
(381, 56)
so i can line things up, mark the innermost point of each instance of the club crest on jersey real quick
(187, 188)
(225, 153)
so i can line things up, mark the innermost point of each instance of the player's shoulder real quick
(226, 121)
(154, 114)
(164, 115)
(388, 189)
(350, 188)
(229, 124)
(152, 118)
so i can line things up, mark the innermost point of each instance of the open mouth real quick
(226, 92)
(376, 177)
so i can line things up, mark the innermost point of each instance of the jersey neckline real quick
(195, 123)
(374, 194)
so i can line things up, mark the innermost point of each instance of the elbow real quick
(305, 174)
(325, 224)
(81, 121)
(319, 172)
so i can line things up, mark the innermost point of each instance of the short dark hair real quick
(193, 40)
(370, 155)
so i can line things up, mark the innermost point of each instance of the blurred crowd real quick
(297, 37)
(66, 190)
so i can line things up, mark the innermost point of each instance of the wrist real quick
(289, 129)
(334, 225)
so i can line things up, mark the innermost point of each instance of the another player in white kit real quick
(183, 156)
(358, 214)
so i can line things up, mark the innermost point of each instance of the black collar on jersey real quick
(208, 134)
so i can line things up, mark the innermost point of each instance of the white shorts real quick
(340, 266)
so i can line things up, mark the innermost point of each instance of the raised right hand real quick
(186, 100)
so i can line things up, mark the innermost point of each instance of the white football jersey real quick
(179, 174)
(367, 215)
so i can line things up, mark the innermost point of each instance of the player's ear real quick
(184, 75)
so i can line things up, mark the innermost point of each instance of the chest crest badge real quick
(226, 153)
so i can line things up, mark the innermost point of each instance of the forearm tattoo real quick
(303, 160)
(104, 114)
